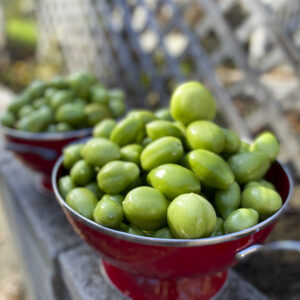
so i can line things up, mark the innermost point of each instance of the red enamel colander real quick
(146, 268)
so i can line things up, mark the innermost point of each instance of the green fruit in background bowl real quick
(240, 219)
(160, 128)
(212, 170)
(82, 201)
(72, 155)
(191, 216)
(104, 128)
(173, 180)
(117, 107)
(81, 83)
(8, 119)
(264, 200)
(82, 173)
(63, 127)
(99, 151)
(267, 144)
(59, 98)
(132, 152)
(70, 113)
(164, 150)
(20, 101)
(108, 213)
(146, 208)
(191, 101)
(116, 175)
(25, 111)
(228, 200)
(99, 94)
(249, 166)
(96, 112)
(205, 135)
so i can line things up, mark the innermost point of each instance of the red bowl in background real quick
(151, 268)
(40, 151)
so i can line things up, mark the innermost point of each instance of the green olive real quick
(81, 83)
(264, 200)
(205, 135)
(262, 182)
(104, 128)
(173, 180)
(40, 102)
(82, 173)
(99, 151)
(36, 89)
(244, 147)
(132, 152)
(219, 228)
(70, 113)
(117, 198)
(146, 208)
(116, 175)
(117, 107)
(94, 188)
(58, 82)
(249, 166)
(59, 98)
(191, 101)
(37, 121)
(144, 115)
(227, 200)
(8, 119)
(212, 170)
(108, 213)
(96, 112)
(20, 101)
(163, 233)
(82, 201)
(164, 150)
(266, 143)
(164, 114)
(72, 155)
(146, 141)
(191, 216)
(160, 128)
(63, 127)
(135, 231)
(116, 93)
(240, 219)
(99, 94)
(232, 142)
(65, 185)
(25, 111)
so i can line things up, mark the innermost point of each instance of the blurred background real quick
(246, 52)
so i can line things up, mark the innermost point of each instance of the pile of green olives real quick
(64, 104)
(171, 173)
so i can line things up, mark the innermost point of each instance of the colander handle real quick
(45, 153)
(277, 245)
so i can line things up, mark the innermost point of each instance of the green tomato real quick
(191, 216)
(82, 201)
(160, 128)
(116, 175)
(72, 155)
(267, 144)
(96, 112)
(212, 170)
(65, 185)
(265, 201)
(132, 152)
(146, 208)
(99, 151)
(104, 128)
(249, 166)
(228, 200)
(205, 135)
(232, 142)
(190, 102)
(82, 173)
(108, 213)
(240, 219)
(173, 180)
(164, 150)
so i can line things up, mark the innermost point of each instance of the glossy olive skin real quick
(96, 112)
(99, 151)
(146, 208)
(160, 128)
(70, 113)
(191, 101)
(82, 173)
(117, 198)
(8, 119)
(191, 216)
(173, 180)
(144, 115)
(108, 213)
(65, 185)
(249, 166)
(163, 233)
(116, 175)
(82, 201)
(164, 150)
(227, 200)
(117, 107)
(205, 135)
(164, 114)
(212, 170)
(265, 201)
(219, 228)
(266, 143)
(132, 152)
(126, 131)
(72, 155)
(262, 182)
(232, 142)
(94, 188)
(240, 219)
(104, 128)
